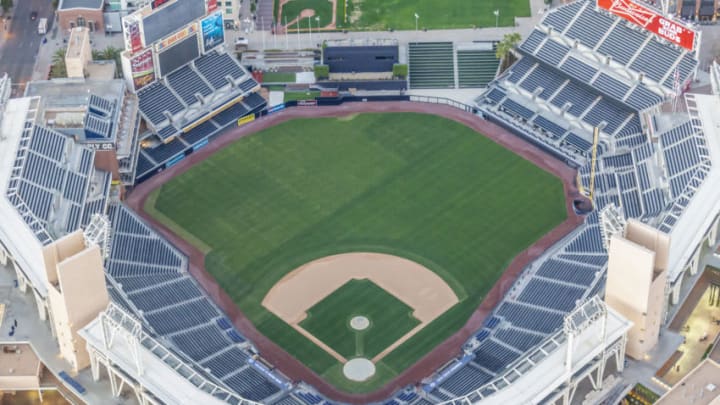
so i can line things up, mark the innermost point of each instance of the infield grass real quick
(329, 319)
(413, 185)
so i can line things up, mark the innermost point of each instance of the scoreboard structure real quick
(166, 35)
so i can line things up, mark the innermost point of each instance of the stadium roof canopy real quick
(702, 209)
(89, 4)
(147, 361)
(17, 112)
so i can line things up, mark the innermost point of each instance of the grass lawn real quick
(278, 77)
(329, 319)
(400, 14)
(323, 9)
(300, 95)
(413, 185)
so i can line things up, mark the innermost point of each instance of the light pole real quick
(416, 21)
(262, 28)
(297, 26)
(287, 40)
(497, 17)
(318, 21)
(310, 30)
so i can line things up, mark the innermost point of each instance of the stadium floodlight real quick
(416, 21)
(497, 17)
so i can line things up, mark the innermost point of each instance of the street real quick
(20, 43)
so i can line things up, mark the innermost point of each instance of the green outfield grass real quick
(329, 319)
(413, 185)
(400, 14)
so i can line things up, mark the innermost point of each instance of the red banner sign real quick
(157, 3)
(135, 40)
(211, 6)
(651, 21)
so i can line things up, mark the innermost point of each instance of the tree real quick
(505, 48)
(58, 68)
(6, 5)
(400, 70)
(322, 72)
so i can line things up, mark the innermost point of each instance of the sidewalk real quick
(57, 39)
(32, 330)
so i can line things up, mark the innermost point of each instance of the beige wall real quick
(79, 294)
(79, 52)
(636, 283)
(19, 383)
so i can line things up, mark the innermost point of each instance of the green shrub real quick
(322, 71)
(400, 70)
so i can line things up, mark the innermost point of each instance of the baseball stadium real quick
(363, 248)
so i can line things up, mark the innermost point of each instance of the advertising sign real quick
(157, 3)
(135, 40)
(651, 21)
(244, 120)
(212, 5)
(183, 33)
(143, 69)
(276, 108)
(213, 33)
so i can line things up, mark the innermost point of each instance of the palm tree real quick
(58, 64)
(505, 49)
(110, 53)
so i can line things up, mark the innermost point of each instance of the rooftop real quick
(65, 103)
(700, 387)
(18, 360)
(70, 4)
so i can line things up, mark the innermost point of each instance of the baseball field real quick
(419, 187)
(399, 15)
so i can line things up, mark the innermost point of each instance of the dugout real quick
(349, 59)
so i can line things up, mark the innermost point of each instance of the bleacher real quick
(187, 84)
(153, 282)
(431, 65)
(155, 100)
(251, 384)
(172, 105)
(217, 67)
(53, 183)
(476, 68)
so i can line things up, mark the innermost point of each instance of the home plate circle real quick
(359, 369)
(359, 323)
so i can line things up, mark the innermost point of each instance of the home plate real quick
(359, 369)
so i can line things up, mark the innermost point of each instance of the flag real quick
(497, 13)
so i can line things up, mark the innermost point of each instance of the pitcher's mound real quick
(359, 323)
(359, 369)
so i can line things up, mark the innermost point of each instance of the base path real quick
(446, 350)
(415, 285)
